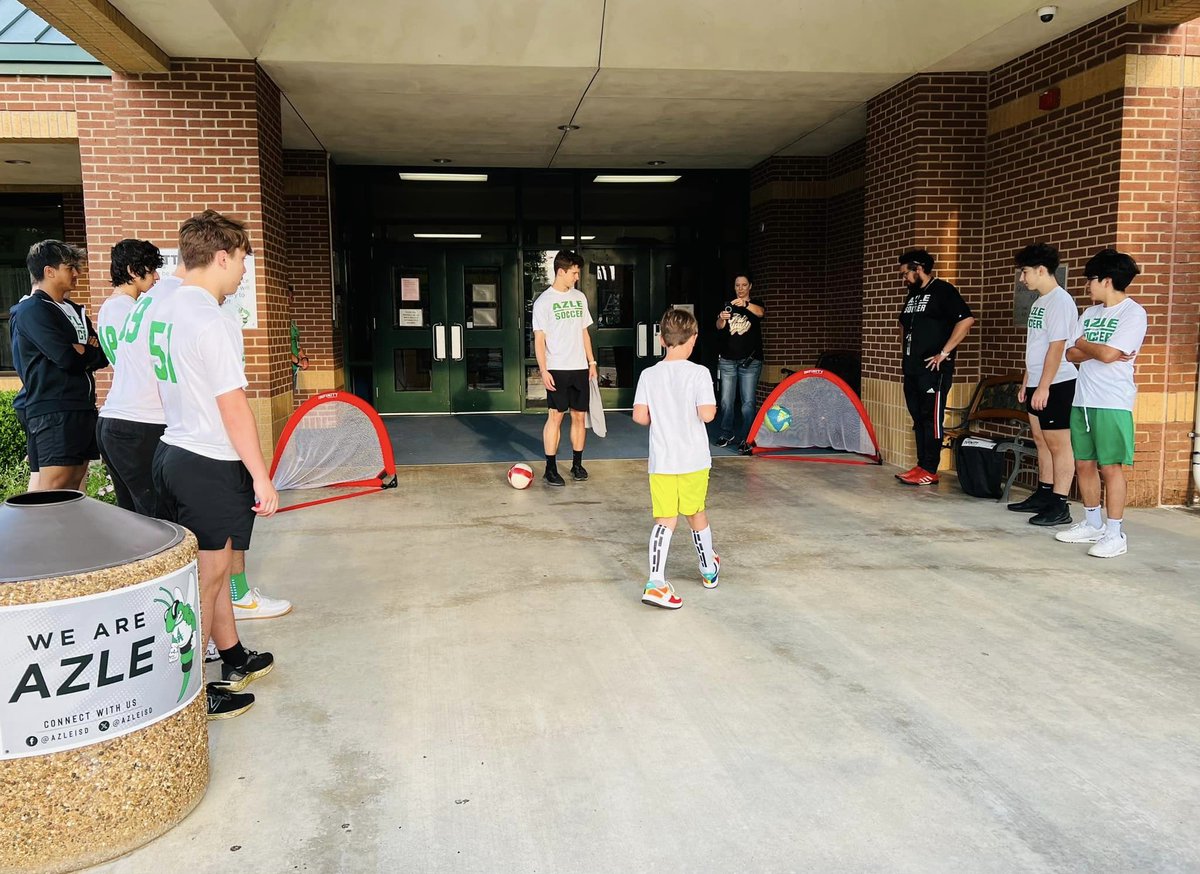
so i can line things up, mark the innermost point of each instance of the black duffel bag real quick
(980, 466)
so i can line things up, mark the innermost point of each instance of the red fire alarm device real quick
(1049, 99)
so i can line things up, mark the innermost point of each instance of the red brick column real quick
(158, 148)
(306, 196)
(925, 151)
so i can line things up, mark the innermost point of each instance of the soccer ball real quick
(520, 475)
(778, 418)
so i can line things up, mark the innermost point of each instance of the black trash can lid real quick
(61, 533)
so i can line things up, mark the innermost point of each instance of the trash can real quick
(103, 730)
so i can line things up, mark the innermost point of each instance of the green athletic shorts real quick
(1104, 436)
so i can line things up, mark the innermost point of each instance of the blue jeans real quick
(738, 382)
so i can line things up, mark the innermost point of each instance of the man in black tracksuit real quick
(933, 321)
(56, 350)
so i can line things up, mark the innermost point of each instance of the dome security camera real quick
(1046, 14)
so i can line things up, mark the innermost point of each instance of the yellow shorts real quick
(672, 494)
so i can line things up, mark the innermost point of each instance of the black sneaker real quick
(1055, 514)
(226, 704)
(1035, 503)
(257, 664)
(578, 473)
(553, 478)
(724, 441)
(744, 448)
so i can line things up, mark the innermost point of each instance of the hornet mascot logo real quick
(180, 621)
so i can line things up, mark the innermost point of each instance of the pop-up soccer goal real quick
(814, 416)
(334, 440)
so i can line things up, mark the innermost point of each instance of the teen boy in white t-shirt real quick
(675, 398)
(209, 471)
(1048, 388)
(564, 355)
(1110, 335)
(131, 420)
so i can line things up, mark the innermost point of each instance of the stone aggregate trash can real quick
(103, 730)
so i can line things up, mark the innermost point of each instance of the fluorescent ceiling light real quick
(444, 177)
(448, 236)
(640, 178)
(585, 237)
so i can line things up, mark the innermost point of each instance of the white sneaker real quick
(211, 654)
(1080, 532)
(1110, 546)
(255, 605)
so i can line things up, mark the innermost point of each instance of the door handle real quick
(456, 342)
(641, 340)
(658, 347)
(439, 342)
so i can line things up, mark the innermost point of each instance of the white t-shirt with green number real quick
(1110, 386)
(1052, 317)
(197, 357)
(563, 317)
(133, 395)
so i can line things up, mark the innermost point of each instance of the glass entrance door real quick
(446, 330)
(484, 321)
(625, 306)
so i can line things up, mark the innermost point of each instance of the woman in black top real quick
(739, 362)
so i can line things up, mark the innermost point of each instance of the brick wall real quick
(309, 271)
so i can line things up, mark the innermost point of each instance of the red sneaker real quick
(907, 473)
(922, 478)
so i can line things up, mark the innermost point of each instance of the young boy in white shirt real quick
(675, 398)
(1111, 333)
(1048, 388)
(209, 472)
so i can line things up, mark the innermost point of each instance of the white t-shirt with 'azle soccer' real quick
(563, 317)
(197, 357)
(1110, 386)
(672, 390)
(1052, 317)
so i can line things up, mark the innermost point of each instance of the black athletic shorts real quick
(128, 451)
(209, 497)
(30, 446)
(570, 391)
(1057, 414)
(62, 439)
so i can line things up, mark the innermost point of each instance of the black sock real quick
(551, 463)
(235, 656)
(1060, 500)
(1048, 488)
(577, 458)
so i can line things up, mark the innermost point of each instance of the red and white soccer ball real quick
(520, 475)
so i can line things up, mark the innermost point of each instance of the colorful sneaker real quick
(211, 653)
(907, 473)
(1080, 532)
(257, 664)
(224, 703)
(255, 605)
(710, 582)
(661, 595)
(1110, 546)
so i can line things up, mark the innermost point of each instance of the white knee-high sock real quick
(704, 549)
(660, 543)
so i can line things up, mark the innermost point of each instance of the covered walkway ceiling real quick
(694, 83)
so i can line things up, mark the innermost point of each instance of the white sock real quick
(704, 549)
(660, 543)
(1114, 528)
(1092, 515)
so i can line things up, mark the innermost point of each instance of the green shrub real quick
(12, 435)
(14, 479)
